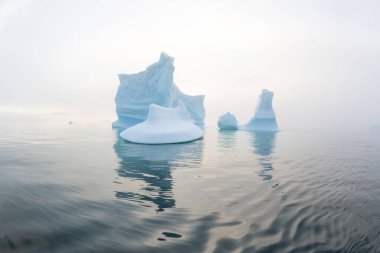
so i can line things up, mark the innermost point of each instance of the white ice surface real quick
(264, 118)
(227, 122)
(164, 125)
(155, 85)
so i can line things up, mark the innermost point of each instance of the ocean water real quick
(80, 188)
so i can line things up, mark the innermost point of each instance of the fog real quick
(321, 58)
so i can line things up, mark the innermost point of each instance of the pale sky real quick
(321, 58)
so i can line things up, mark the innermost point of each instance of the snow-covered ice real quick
(164, 125)
(264, 118)
(227, 122)
(155, 85)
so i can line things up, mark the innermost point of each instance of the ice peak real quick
(264, 106)
(264, 118)
(164, 65)
(164, 57)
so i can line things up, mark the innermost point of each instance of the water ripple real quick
(74, 189)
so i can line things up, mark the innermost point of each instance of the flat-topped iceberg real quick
(164, 125)
(227, 122)
(264, 118)
(155, 85)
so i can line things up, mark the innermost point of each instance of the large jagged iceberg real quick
(264, 118)
(155, 85)
(164, 125)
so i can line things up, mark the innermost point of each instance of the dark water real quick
(79, 188)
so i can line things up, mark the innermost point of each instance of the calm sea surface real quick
(80, 188)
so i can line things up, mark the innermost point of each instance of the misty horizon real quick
(319, 58)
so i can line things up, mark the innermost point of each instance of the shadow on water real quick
(152, 166)
(263, 144)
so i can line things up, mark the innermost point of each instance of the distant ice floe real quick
(164, 125)
(263, 120)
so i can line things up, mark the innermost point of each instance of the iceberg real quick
(155, 85)
(227, 122)
(264, 118)
(164, 125)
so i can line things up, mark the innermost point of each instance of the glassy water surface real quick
(80, 188)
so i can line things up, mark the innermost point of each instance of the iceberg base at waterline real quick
(163, 126)
(260, 125)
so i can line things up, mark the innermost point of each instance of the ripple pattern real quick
(64, 190)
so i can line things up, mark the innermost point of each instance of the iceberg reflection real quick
(263, 144)
(150, 166)
(226, 138)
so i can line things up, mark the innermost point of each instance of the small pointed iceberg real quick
(264, 118)
(164, 125)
